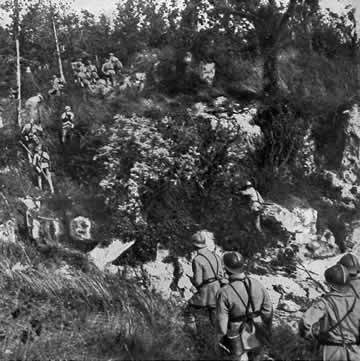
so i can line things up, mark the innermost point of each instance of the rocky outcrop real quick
(8, 232)
(104, 256)
(350, 163)
(226, 115)
(80, 229)
(207, 72)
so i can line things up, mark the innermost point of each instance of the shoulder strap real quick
(336, 311)
(238, 294)
(211, 266)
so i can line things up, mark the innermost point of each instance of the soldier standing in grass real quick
(207, 279)
(244, 312)
(334, 319)
(351, 263)
(31, 133)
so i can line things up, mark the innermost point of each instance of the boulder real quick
(300, 220)
(207, 72)
(324, 246)
(80, 229)
(288, 306)
(8, 232)
(104, 256)
(33, 107)
(351, 155)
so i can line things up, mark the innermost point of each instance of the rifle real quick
(302, 267)
(29, 151)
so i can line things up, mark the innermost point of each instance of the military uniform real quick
(108, 70)
(244, 301)
(208, 272)
(340, 309)
(41, 162)
(208, 275)
(67, 124)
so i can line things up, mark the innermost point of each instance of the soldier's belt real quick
(246, 317)
(333, 343)
(208, 281)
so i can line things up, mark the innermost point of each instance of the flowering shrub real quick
(165, 178)
(139, 155)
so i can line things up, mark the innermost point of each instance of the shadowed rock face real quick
(80, 229)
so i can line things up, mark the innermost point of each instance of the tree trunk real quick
(18, 69)
(270, 75)
(61, 71)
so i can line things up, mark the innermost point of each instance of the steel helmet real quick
(233, 262)
(337, 275)
(351, 262)
(199, 239)
(67, 108)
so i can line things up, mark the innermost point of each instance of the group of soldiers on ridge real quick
(240, 309)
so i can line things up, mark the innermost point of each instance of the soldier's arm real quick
(222, 314)
(311, 318)
(266, 307)
(197, 279)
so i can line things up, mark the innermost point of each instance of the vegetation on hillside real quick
(151, 167)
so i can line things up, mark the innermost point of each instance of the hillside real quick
(99, 269)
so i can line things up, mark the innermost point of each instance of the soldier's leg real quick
(49, 179)
(40, 181)
(190, 319)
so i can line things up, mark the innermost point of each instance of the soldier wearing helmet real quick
(207, 278)
(334, 319)
(255, 203)
(67, 123)
(244, 312)
(351, 263)
(41, 163)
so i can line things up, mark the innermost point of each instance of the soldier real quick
(80, 70)
(67, 123)
(207, 279)
(92, 72)
(351, 262)
(255, 203)
(116, 62)
(41, 162)
(31, 132)
(108, 70)
(243, 311)
(333, 320)
(57, 86)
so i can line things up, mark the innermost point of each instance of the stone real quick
(32, 107)
(324, 247)
(103, 256)
(207, 72)
(80, 229)
(8, 232)
(288, 306)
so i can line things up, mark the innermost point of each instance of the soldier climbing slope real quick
(351, 262)
(108, 70)
(207, 279)
(243, 311)
(41, 162)
(67, 123)
(31, 133)
(333, 320)
(255, 203)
